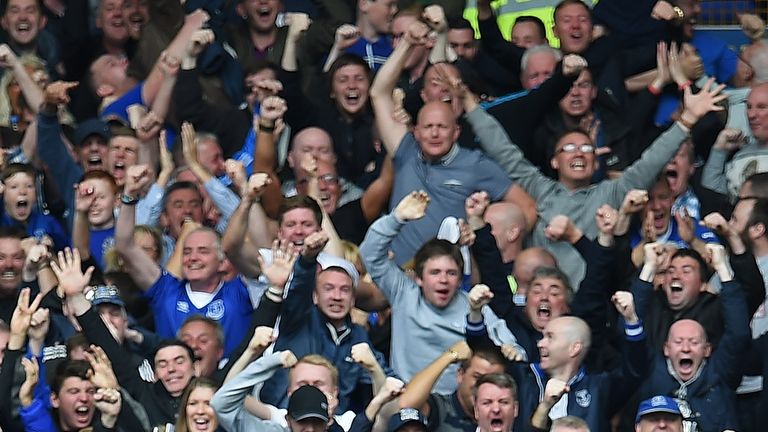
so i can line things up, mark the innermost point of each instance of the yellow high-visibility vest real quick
(507, 12)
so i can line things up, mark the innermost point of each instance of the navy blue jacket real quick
(712, 395)
(305, 330)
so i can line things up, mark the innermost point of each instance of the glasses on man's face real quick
(325, 178)
(573, 148)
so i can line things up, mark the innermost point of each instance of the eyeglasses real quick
(325, 178)
(573, 148)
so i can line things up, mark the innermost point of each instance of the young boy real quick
(19, 198)
(93, 228)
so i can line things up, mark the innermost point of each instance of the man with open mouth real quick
(688, 367)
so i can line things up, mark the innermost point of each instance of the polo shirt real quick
(448, 181)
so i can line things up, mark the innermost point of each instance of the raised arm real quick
(417, 392)
(392, 131)
(268, 128)
(237, 240)
(298, 302)
(143, 269)
(297, 23)
(713, 176)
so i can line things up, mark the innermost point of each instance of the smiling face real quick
(578, 101)
(201, 259)
(349, 88)
(436, 130)
(261, 14)
(23, 21)
(101, 214)
(757, 112)
(334, 295)
(557, 347)
(174, 369)
(328, 182)
(19, 197)
(74, 403)
(682, 282)
(660, 200)
(297, 224)
(575, 167)
(111, 20)
(495, 408)
(545, 301)
(11, 263)
(439, 280)
(686, 347)
(199, 413)
(573, 25)
(136, 13)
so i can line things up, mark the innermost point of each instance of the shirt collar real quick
(445, 159)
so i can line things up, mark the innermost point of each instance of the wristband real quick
(679, 12)
(454, 355)
(128, 200)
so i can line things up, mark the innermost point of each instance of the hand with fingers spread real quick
(699, 104)
(32, 377)
(102, 375)
(346, 36)
(412, 207)
(475, 206)
(624, 302)
(71, 278)
(278, 271)
(314, 244)
(562, 228)
(22, 318)
(730, 140)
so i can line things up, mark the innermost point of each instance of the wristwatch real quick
(128, 200)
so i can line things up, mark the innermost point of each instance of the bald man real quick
(704, 379)
(558, 385)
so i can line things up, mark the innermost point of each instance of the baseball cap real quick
(404, 417)
(102, 294)
(658, 404)
(90, 127)
(308, 402)
(327, 261)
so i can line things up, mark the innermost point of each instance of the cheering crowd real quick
(376, 215)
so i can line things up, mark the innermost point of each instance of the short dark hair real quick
(77, 340)
(554, 273)
(296, 202)
(691, 253)
(172, 343)
(564, 3)
(260, 65)
(347, 59)
(436, 248)
(532, 19)
(759, 184)
(16, 168)
(179, 185)
(492, 356)
(460, 23)
(759, 213)
(499, 380)
(67, 369)
(551, 149)
(5, 3)
(13, 232)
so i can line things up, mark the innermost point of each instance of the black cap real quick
(308, 402)
(90, 127)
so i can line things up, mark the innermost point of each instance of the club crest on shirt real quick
(215, 310)
(182, 306)
(583, 398)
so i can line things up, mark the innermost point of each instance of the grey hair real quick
(571, 422)
(543, 48)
